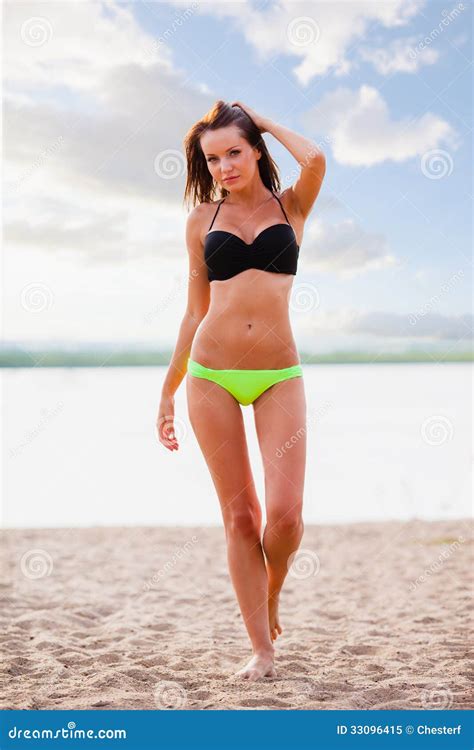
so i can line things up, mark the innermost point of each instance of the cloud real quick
(92, 99)
(361, 132)
(390, 325)
(94, 117)
(399, 56)
(344, 248)
(72, 45)
(322, 34)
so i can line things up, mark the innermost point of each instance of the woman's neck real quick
(250, 197)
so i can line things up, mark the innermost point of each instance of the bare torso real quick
(247, 325)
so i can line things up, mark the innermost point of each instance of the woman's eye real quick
(213, 158)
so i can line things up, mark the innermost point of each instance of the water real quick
(384, 442)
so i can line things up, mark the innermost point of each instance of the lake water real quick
(385, 441)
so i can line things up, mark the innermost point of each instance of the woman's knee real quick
(286, 518)
(244, 522)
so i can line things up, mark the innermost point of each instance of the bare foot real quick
(260, 665)
(275, 627)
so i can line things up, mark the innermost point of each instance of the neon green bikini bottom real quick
(244, 385)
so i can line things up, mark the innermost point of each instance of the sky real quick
(98, 97)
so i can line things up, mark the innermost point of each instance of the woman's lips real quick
(231, 179)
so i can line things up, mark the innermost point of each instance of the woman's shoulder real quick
(202, 209)
(201, 216)
(205, 207)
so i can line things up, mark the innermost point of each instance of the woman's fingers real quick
(166, 432)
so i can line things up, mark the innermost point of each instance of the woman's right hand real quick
(165, 423)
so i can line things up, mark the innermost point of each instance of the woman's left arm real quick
(311, 160)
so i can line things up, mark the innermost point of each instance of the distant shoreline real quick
(122, 357)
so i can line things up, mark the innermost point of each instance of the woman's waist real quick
(246, 343)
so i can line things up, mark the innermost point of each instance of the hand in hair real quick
(262, 123)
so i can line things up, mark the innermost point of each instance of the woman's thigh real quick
(217, 421)
(280, 421)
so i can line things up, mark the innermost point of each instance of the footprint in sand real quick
(375, 668)
(294, 666)
(160, 627)
(359, 650)
(156, 661)
(109, 659)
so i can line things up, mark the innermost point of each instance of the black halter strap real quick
(223, 199)
(218, 207)
(281, 205)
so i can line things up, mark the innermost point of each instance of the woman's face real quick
(231, 160)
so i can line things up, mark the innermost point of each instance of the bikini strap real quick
(218, 207)
(281, 205)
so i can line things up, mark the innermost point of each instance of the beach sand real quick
(374, 616)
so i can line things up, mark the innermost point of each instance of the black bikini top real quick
(275, 249)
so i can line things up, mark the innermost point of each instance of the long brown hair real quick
(200, 185)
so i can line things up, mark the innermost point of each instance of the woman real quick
(236, 346)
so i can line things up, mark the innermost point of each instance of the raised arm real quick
(303, 193)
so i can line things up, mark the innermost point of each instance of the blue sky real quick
(97, 94)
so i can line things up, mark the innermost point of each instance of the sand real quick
(375, 616)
